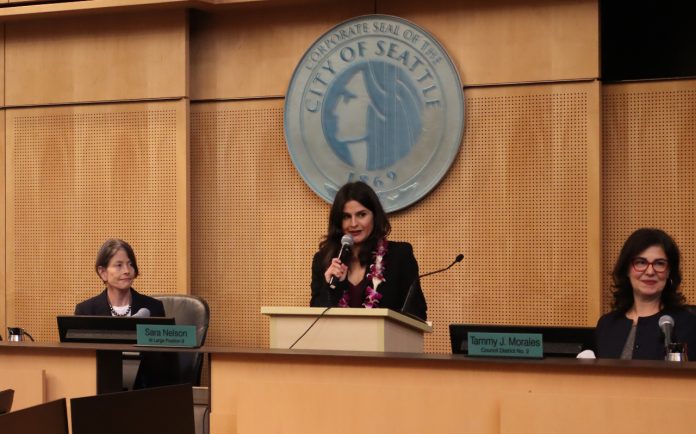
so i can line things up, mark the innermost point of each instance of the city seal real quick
(376, 99)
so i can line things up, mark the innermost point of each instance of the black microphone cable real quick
(310, 327)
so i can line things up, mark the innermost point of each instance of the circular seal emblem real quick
(375, 99)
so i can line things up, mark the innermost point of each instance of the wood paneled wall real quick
(505, 41)
(252, 52)
(96, 132)
(77, 175)
(648, 179)
(522, 200)
(96, 58)
(3, 232)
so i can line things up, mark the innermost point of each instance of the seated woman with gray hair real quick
(117, 267)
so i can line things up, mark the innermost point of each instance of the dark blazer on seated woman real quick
(156, 369)
(613, 329)
(99, 305)
(400, 271)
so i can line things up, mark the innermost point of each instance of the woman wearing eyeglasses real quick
(646, 287)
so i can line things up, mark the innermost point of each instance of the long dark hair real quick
(637, 242)
(363, 194)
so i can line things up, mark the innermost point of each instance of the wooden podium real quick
(345, 329)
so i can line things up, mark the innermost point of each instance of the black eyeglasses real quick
(641, 264)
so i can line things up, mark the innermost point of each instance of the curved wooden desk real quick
(41, 373)
(271, 391)
(320, 392)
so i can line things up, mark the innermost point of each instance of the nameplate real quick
(166, 335)
(526, 345)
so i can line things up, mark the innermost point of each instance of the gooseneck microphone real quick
(417, 280)
(666, 324)
(343, 256)
(456, 260)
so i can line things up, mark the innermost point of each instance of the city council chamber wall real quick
(162, 123)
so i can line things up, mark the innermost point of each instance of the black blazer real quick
(401, 271)
(156, 369)
(99, 305)
(613, 328)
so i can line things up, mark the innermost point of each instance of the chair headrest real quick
(187, 310)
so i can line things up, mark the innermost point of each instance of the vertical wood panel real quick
(249, 52)
(520, 201)
(2, 64)
(96, 58)
(254, 223)
(3, 243)
(43, 375)
(78, 175)
(490, 42)
(183, 197)
(648, 179)
(506, 41)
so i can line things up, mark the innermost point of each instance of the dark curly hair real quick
(636, 243)
(366, 196)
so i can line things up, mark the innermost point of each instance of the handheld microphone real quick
(143, 312)
(417, 280)
(666, 324)
(343, 256)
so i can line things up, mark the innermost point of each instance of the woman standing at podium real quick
(646, 278)
(378, 272)
(117, 268)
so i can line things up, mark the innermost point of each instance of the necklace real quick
(375, 276)
(114, 313)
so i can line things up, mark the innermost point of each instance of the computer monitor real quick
(557, 341)
(104, 329)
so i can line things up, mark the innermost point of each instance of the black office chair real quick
(48, 418)
(6, 398)
(189, 310)
(166, 409)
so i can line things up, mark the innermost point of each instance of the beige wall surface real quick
(522, 199)
(77, 175)
(648, 179)
(252, 52)
(96, 58)
(3, 270)
(506, 41)
(254, 223)
(489, 42)
(2, 65)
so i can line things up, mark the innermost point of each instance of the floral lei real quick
(376, 275)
